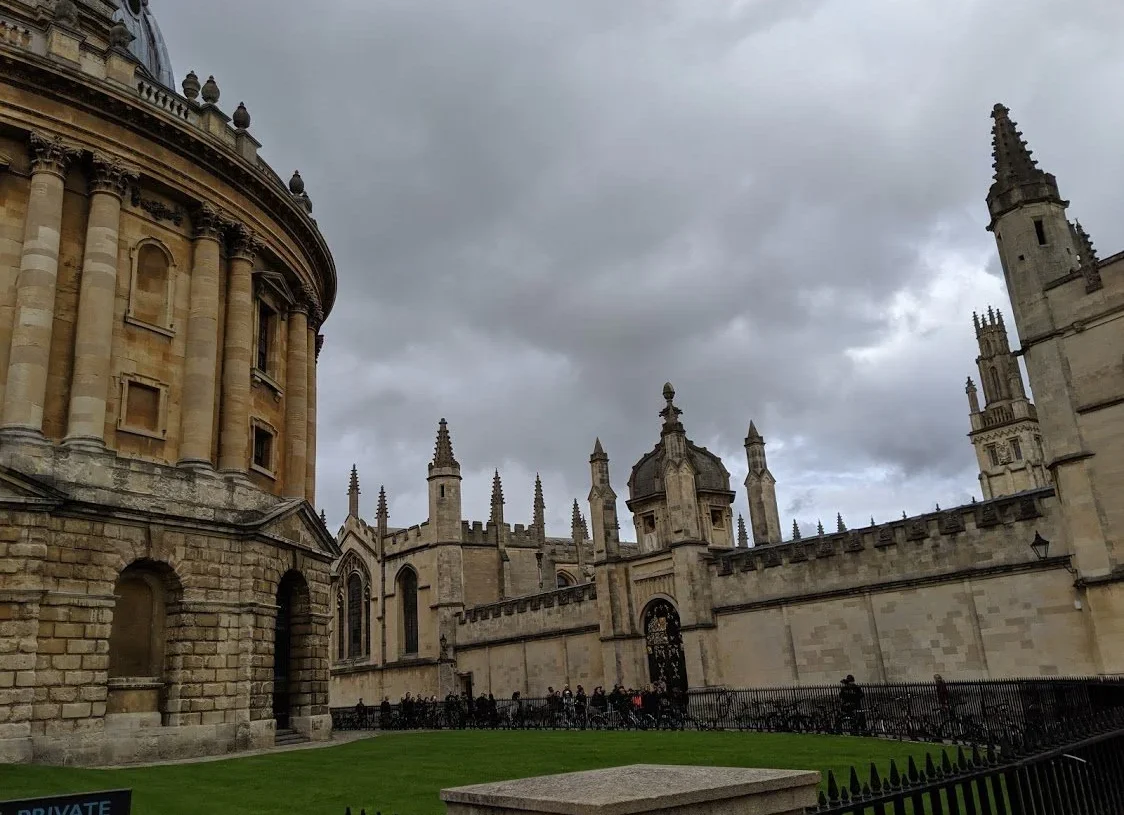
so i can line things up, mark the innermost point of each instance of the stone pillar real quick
(296, 400)
(35, 288)
(238, 343)
(93, 343)
(197, 418)
(315, 319)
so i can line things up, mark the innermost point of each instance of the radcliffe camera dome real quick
(148, 43)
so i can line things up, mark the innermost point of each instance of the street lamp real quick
(1040, 546)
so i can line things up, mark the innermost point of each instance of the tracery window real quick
(355, 616)
(408, 605)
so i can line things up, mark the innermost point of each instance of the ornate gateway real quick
(664, 643)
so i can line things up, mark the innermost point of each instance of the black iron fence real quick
(1070, 768)
(986, 712)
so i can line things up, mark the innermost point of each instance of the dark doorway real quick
(287, 596)
(664, 643)
(466, 684)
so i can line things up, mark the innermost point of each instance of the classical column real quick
(296, 398)
(89, 384)
(35, 288)
(197, 404)
(238, 341)
(315, 318)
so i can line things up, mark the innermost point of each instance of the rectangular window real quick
(1040, 231)
(716, 518)
(649, 523)
(1016, 449)
(993, 454)
(142, 407)
(267, 323)
(263, 448)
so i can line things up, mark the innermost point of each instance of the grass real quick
(403, 772)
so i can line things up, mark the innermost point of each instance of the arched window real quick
(136, 636)
(563, 580)
(341, 626)
(150, 295)
(408, 605)
(355, 615)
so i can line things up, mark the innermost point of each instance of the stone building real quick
(163, 578)
(1027, 581)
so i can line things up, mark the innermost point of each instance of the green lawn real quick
(403, 772)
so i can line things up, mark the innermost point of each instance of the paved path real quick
(338, 738)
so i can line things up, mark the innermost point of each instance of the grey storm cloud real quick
(543, 209)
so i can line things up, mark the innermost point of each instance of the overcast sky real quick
(543, 209)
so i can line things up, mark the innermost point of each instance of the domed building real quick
(163, 575)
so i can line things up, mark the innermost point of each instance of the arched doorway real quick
(664, 644)
(290, 694)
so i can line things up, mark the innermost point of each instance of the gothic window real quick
(1016, 449)
(341, 627)
(136, 636)
(563, 580)
(151, 287)
(408, 606)
(993, 454)
(355, 616)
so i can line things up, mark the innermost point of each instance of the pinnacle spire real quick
(1014, 162)
(670, 413)
(753, 436)
(819, 528)
(323, 517)
(353, 486)
(382, 510)
(795, 530)
(443, 453)
(575, 517)
(872, 520)
(743, 536)
(539, 517)
(497, 499)
(1087, 255)
(839, 525)
(598, 452)
(353, 493)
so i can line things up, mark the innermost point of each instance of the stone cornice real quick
(101, 99)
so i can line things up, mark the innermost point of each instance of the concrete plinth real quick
(643, 788)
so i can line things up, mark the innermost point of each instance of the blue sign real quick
(114, 802)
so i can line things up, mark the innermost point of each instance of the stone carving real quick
(49, 154)
(825, 548)
(916, 530)
(989, 515)
(157, 209)
(66, 13)
(13, 34)
(854, 541)
(885, 537)
(208, 222)
(1028, 509)
(109, 175)
(950, 523)
(245, 243)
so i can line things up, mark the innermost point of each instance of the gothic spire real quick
(443, 453)
(382, 510)
(598, 452)
(743, 536)
(872, 520)
(1018, 177)
(839, 525)
(1087, 256)
(353, 493)
(795, 530)
(497, 499)
(576, 522)
(753, 436)
(819, 528)
(539, 517)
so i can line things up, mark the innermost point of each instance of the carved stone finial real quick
(191, 86)
(670, 414)
(241, 117)
(743, 535)
(211, 91)
(66, 13)
(443, 453)
(839, 525)
(296, 183)
(819, 528)
(795, 530)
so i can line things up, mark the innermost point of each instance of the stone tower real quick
(1005, 430)
(445, 489)
(1071, 347)
(603, 507)
(761, 488)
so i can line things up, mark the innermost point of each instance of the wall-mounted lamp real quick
(1041, 548)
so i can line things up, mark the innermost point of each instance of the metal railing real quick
(986, 712)
(1073, 768)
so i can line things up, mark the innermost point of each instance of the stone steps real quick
(285, 737)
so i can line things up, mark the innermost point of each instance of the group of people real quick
(565, 707)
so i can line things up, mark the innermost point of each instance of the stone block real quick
(76, 710)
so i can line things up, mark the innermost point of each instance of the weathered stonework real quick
(147, 609)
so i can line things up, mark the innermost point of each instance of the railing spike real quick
(832, 788)
(895, 776)
(961, 760)
(875, 780)
(823, 800)
(911, 772)
(856, 787)
(347, 811)
(931, 772)
(946, 765)
(977, 761)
